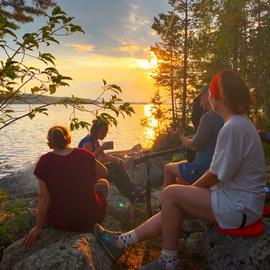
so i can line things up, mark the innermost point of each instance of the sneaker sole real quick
(112, 257)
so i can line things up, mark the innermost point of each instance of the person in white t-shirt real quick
(230, 193)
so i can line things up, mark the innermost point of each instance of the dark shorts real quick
(191, 171)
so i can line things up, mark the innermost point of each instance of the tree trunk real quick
(184, 101)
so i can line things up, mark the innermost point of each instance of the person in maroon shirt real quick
(72, 187)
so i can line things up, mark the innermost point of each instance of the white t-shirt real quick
(239, 163)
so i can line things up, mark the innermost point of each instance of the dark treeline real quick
(201, 37)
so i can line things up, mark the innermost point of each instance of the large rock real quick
(120, 208)
(237, 253)
(57, 249)
(21, 184)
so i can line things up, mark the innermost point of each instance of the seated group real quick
(223, 185)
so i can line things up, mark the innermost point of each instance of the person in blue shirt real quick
(116, 166)
(203, 144)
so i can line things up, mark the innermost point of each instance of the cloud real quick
(129, 47)
(130, 73)
(81, 47)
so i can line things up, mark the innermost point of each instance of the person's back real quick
(211, 122)
(242, 176)
(75, 206)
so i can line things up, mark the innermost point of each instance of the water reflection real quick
(25, 141)
(150, 127)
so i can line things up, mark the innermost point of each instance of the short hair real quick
(235, 91)
(58, 137)
(97, 125)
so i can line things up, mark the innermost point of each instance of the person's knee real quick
(102, 186)
(104, 182)
(167, 192)
(171, 193)
(168, 168)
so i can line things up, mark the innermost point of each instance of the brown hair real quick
(97, 125)
(236, 92)
(58, 137)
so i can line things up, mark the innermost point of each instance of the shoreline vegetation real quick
(37, 99)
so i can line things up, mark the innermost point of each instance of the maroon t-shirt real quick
(74, 204)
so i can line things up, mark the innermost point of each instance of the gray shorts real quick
(226, 214)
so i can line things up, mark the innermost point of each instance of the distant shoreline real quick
(32, 99)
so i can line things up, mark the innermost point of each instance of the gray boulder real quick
(23, 184)
(120, 208)
(57, 249)
(226, 252)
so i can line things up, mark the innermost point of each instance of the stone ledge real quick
(225, 252)
(57, 249)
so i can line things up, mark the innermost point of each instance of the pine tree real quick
(23, 11)
(168, 53)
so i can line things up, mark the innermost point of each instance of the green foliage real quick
(14, 219)
(23, 11)
(16, 74)
(221, 34)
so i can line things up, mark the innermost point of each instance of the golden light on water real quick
(150, 130)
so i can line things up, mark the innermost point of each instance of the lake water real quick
(24, 141)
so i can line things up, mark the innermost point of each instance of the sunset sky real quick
(115, 46)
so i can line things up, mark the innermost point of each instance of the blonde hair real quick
(58, 137)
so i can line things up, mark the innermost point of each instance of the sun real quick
(153, 60)
(149, 63)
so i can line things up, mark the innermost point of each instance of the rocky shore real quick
(200, 246)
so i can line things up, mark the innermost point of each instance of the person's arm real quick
(110, 158)
(101, 170)
(207, 180)
(43, 206)
(187, 142)
(99, 151)
(204, 132)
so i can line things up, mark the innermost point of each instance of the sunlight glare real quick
(150, 63)
(150, 130)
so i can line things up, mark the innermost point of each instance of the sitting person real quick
(196, 113)
(203, 144)
(231, 194)
(117, 173)
(72, 187)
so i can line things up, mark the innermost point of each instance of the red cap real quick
(215, 87)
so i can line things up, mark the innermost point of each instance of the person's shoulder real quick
(45, 159)
(83, 152)
(46, 156)
(239, 121)
(238, 125)
(210, 116)
(88, 138)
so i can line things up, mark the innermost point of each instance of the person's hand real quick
(175, 131)
(32, 236)
(122, 163)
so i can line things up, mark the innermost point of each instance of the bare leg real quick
(102, 186)
(179, 201)
(151, 228)
(171, 172)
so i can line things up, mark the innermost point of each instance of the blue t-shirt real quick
(87, 139)
(206, 137)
